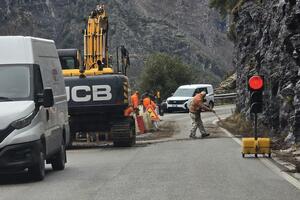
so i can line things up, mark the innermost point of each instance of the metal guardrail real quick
(226, 96)
(219, 96)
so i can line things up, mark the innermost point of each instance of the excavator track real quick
(123, 132)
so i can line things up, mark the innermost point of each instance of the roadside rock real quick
(228, 85)
(268, 43)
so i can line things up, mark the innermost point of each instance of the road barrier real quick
(225, 98)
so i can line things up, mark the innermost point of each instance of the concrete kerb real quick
(144, 135)
(274, 164)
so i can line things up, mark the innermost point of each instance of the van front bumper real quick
(19, 156)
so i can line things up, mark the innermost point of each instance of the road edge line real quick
(266, 162)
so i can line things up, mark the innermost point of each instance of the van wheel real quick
(211, 105)
(37, 172)
(161, 111)
(270, 155)
(70, 145)
(59, 159)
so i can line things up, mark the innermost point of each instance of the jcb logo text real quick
(87, 93)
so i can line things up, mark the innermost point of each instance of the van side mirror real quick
(48, 99)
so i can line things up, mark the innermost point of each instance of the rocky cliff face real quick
(186, 28)
(268, 43)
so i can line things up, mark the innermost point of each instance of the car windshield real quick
(184, 92)
(14, 82)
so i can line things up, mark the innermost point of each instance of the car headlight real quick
(21, 123)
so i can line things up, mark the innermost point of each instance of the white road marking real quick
(267, 163)
(281, 173)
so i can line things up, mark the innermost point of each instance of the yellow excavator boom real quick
(95, 39)
(95, 45)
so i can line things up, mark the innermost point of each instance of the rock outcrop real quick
(268, 43)
(227, 86)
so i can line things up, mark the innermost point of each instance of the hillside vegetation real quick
(187, 29)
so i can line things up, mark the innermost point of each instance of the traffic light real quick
(256, 87)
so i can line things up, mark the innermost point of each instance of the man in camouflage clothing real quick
(195, 108)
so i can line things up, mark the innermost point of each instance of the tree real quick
(164, 73)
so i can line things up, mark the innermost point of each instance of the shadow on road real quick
(110, 146)
(19, 178)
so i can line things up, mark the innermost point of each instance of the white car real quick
(179, 100)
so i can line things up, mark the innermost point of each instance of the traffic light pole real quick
(255, 145)
(255, 126)
(256, 87)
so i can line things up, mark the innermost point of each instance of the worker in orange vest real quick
(148, 102)
(135, 101)
(195, 108)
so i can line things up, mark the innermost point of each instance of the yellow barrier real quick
(256, 146)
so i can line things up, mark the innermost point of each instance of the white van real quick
(34, 125)
(179, 100)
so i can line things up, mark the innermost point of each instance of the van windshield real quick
(184, 92)
(14, 82)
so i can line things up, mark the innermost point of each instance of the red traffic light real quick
(256, 82)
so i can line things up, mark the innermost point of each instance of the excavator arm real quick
(95, 40)
(95, 48)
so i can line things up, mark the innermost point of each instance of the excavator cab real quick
(69, 58)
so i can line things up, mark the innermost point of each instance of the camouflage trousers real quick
(196, 123)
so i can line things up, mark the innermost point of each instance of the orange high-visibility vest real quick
(196, 103)
(153, 105)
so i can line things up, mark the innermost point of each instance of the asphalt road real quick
(205, 169)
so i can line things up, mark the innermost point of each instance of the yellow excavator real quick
(97, 96)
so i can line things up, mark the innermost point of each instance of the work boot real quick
(205, 135)
(192, 136)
